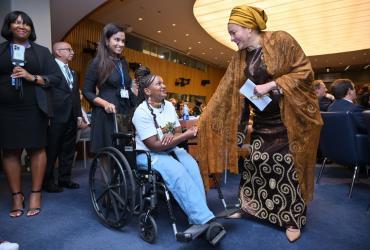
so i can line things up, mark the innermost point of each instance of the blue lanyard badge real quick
(120, 72)
(123, 91)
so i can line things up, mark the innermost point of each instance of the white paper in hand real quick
(248, 91)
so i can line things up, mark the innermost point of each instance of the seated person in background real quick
(363, 96)
(345, 93)
(197, 110)
(158, 131)
(84, 127)
(325, 99)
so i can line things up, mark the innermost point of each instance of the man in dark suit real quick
(345, 93)
(63, 125)
(325, 99)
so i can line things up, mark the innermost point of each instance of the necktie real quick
(69, 76)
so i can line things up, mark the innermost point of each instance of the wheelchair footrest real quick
(191, 233)
(218, 237)
(226, 213)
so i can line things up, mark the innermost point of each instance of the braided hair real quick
(144, 79)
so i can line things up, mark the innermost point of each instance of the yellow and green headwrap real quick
(249, 17)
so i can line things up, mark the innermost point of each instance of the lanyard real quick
(120, 72)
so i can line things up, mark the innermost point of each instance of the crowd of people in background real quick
(45, 90)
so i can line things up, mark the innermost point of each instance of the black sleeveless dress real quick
(269, 188)
(23, 124)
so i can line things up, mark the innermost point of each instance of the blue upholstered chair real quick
(340, 142)
(367, 122)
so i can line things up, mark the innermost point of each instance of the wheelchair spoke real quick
(102, 195)
(103, 172)
(118, 198)
(114, 205)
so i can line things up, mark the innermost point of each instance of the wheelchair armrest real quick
(148, 156)
(122, 135)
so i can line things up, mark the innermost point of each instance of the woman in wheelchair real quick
(158, 130)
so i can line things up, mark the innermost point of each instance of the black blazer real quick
(49, 72)
(66, 101)
(110, 89)
(344, 105)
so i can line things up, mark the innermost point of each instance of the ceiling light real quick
(347, 68)
(210, 48)
(187, 34)
(140, 19)
(161, 56)
(203, 53)
(221, 53)
(175, 41)
(320, 27)
(159, 31)
(189, 47)
(174, 24)
(199, 42)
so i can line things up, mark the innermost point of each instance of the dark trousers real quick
(62, 146)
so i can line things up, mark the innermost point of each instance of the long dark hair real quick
(105, 56)
(10, 18)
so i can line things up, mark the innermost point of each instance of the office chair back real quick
(340, 142)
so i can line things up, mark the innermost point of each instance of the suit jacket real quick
(344, 105)
(49, 72)
(66, 100)
(324, 103)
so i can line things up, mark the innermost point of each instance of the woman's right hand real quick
(191, 132)
(109, 107)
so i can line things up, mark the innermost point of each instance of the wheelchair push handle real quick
(115, 124)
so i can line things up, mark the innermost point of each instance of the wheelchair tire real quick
(112, 188)
(147, 228)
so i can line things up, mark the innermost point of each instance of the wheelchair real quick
(120, 190)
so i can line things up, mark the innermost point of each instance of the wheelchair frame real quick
(119, 191)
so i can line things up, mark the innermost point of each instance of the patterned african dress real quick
(269, 188)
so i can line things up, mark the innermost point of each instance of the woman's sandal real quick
(293, 234)
(36, 210)
(15, 213)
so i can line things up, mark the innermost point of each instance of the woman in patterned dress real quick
(277, 176)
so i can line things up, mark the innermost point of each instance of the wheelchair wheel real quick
(148, 228)
(112, 187)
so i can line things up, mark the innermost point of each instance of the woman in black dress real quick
(24, 107)
(107, 86)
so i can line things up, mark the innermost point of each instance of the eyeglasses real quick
(68, 49)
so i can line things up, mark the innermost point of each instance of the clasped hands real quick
(189, 134)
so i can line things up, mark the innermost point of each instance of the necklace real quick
(159, 107)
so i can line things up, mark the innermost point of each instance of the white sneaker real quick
(5, 245)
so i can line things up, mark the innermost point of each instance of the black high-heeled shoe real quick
(34, 210)
(21, 210)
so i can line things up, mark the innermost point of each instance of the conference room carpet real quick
(67, 220)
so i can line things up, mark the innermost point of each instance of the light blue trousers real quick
(183, 180)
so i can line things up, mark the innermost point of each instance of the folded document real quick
(248, 91)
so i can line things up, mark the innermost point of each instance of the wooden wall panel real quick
(91, 30)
